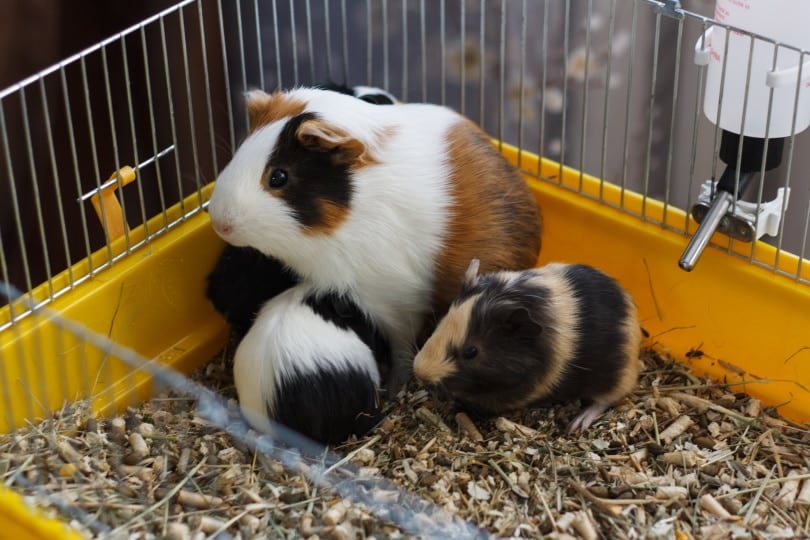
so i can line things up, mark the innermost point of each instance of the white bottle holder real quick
(747, 221)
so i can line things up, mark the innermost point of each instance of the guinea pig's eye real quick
(277, 178)
(469, 352)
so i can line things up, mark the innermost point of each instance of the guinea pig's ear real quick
(518, 317)
(318, 136)
(263, 108)
(257, 103)
(471, 275)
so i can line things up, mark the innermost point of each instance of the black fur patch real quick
(376, 99)
(314, 177)
(343, 313)
(483, 282)
(329, 407)
(600, 352)
(335, 87)
(242, 281)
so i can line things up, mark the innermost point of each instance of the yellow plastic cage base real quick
(736, 321)
(152, 301)
(21, 522)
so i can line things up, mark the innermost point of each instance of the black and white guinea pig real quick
(310, 362)
(555, 333)
(242, 281)
(386, 204)
(371, 94)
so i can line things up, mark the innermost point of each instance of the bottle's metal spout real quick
(745, 157)
(717, 216)
(717, 212)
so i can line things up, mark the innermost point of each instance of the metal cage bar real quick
(111, 103)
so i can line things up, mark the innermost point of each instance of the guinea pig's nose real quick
(222, 228)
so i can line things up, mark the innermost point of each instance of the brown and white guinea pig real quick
(243, 279)
(310, 362)
(555, 333)
(383, 204)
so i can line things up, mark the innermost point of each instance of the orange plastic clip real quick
(112, 216)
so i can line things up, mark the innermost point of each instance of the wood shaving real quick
(681, 457)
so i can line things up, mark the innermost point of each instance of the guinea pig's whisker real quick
(577, 366)
(412, 348)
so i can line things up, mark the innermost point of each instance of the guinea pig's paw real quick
(475, 411)
(584, 420)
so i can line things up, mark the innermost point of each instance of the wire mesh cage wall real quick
(124, 102)
(608, 92)
(609, 89)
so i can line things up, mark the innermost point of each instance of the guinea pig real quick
(309, 362)
(242, 281)
(385, 205)
(372, 94)
(554, 333)
(243, 278)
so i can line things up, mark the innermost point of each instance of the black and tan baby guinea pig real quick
(556, 333)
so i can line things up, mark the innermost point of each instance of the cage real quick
(615, 112)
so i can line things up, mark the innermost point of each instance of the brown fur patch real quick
(563, 304)
(386, 134)
(431, 364)
(494, 216)
(632, 348)
(332, 215)
(263, 108)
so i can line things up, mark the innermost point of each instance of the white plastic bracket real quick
(703, 47)
(765, 217)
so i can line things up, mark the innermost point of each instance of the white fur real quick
(289, 339)
(384, 253)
